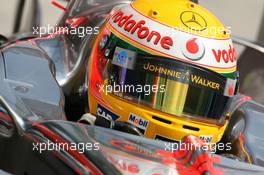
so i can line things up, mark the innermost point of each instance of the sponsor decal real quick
(225, 55)
(206, 139)
(141, 31)
(184, 77)
(124, 58)
(134, 148)
(230, 87)
(161, 39)
(102, 112)
(205, 82)
(194, 49)
(138, 121)
(162, 70)
(135, 165)
(193, 21)
(125, 165)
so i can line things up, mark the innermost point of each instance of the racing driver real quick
(165, 67)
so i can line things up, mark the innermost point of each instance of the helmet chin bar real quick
(117, 125)
(90, 119)
(127, 128)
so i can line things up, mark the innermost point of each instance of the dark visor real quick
(169, 85)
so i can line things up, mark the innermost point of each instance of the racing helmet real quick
(168, 67)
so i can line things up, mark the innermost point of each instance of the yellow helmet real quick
(167, 67)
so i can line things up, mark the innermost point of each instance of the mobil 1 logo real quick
(139, 122)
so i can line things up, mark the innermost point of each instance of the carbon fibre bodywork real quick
(38, 75)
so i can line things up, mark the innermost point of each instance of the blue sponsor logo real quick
(102, 112)
(124, 58)
(138, 121)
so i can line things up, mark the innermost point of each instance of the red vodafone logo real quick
(193, 49)
(227, 56)
(141, 31)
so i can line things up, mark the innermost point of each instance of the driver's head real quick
(167, 67)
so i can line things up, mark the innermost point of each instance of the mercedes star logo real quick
(193, 21)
